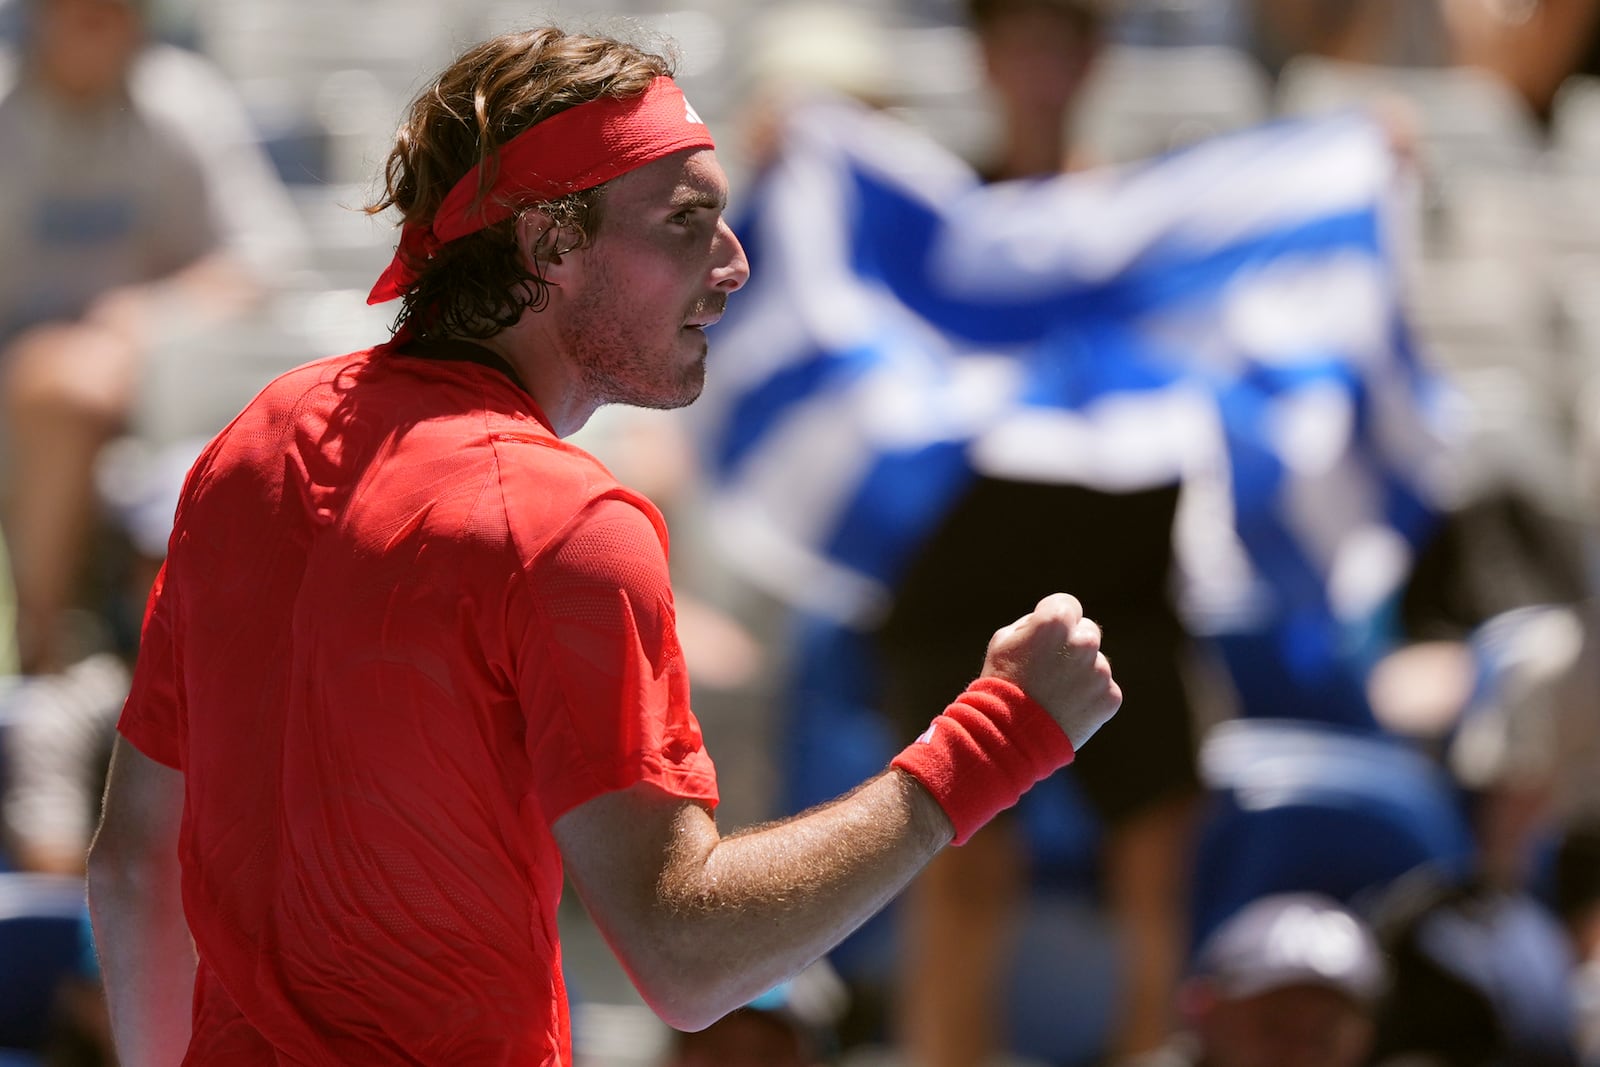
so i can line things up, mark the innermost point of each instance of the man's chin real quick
(685, 391)
(692, 385)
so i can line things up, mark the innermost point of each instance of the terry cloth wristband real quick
(984, 751)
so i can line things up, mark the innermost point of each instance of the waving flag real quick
(1225, 316)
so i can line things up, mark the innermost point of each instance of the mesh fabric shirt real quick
(402, 628)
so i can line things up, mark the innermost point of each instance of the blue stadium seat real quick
(1307, 806)
(41, 942)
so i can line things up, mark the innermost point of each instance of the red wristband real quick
(984, 751)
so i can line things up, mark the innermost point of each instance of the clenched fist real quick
(1053, 653)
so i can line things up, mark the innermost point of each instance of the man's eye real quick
(682, 218)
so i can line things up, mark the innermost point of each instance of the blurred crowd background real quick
(1417, 882)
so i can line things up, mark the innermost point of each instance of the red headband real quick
(576, 149)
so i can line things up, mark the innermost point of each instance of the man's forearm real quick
(787, 893)
(704, 923)
(147, 958)
(731, 917)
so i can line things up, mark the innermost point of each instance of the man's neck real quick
(555, 385)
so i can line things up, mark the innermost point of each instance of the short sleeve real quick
(152, 718)
(601, 674)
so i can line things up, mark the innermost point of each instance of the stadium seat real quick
(1304, 806)
(1575, 123)
(1466, 118)
(1142, 101)
(41, 942)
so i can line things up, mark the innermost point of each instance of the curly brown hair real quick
(480, 284)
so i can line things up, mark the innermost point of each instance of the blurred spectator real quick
(1291, 980)
(1370, 32)
(1008, 538)
(1575, 788)
(1485, 974)
(57, 748)
(1487, 636)
(1011, 535)
(135, 206)
(1577, 902)
(1480, 977)
(1037, 56)
(1530, 45)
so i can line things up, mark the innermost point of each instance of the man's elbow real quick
(687, 1009)
(691, 990)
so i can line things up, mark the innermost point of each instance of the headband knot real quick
(574, 150)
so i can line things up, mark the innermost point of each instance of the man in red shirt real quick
(412, 657)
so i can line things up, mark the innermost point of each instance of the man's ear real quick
(546, 248)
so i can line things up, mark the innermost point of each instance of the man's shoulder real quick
(552, 487)
(308, 389)
(314, 375)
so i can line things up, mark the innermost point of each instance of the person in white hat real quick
(1290, 980)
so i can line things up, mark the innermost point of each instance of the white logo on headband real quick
(691, 115)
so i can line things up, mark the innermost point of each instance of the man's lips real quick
(709, 317)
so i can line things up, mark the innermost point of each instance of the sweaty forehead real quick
(691, 178)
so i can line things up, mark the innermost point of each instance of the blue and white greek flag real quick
(1226, 315)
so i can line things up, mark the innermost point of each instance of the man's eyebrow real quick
(702, 198)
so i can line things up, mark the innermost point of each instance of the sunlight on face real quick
(658, 272)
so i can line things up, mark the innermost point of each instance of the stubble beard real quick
(625, 375)
(619, 366)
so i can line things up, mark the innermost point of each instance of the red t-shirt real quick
(401, 629)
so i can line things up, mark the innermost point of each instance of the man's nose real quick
(733, 269)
